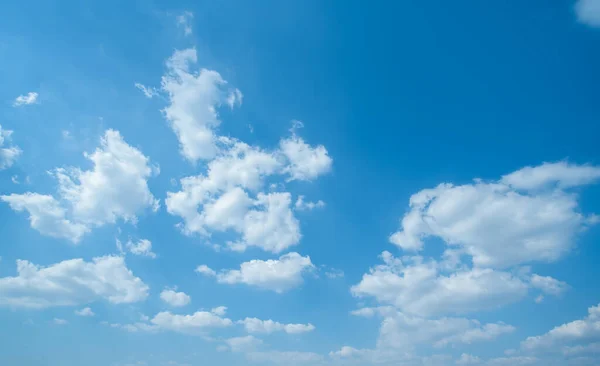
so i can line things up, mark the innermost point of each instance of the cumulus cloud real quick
(196, 323)
(568, 338)
(71, 282)
(302, 205)
(85, 312)
(115, 188)
(305, 162)
(255, 325)
(143, 247)
(277, 275)
(26, 99)
(193, 102)
(588, 12)
(417, 286)
(175, 298)
(8, 152)
(526, 216)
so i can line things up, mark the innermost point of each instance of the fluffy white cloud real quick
(255, 325)
(115, 188)
(243, 344)
(302, 205)
(71, 282)
(143, 248)
(578, 333)
(400, 331)
(277, 275)
(418, 287)
(305, 162)
(526, 216)
(85, 312)
(548, 285)
(46, 215)
(588, 12)
(196, 323)
(29, 98)
(8, 153)
(194, 99)
(175, 298)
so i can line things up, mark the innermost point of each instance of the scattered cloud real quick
(8, 152)
(257, 326)
(149, 92)
(88, 198)
(526, 216)
(175, 298)
(243, 344)
(26, 99)
(196, 323)
(277, 275)
(70, 283)
(85, 312)
(143, 247)
(302, 205)
(305, 162)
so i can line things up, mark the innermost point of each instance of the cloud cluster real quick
(115, 188)
(72, 282)
(277, 275)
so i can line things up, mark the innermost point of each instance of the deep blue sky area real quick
(435, 206)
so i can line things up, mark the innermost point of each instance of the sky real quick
(299, 183)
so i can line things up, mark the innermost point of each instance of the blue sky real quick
(299, 183)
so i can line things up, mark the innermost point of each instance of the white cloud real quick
(305, 162)
(417, 287)
(255, 325)
(496, 223)
(548, 285)
(578, 333)
(85, 312)
(588, 12)
(302, 205)
(175, 298)
(115, 188)
(71, 282)
(196, 323)
(29, 98)
(219, 310)
(278, 275)
(235, 98)
(59, 321)
(46, 215)
(184, 20)
(193, 102)
(8, 152)
(148, 91)
(143, 248)
(243, 344)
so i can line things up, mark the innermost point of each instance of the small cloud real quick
(85, 312)
(302, 205)
(251, 128)
(588, 12)
(29, 98)
(148, 91)
(334, 273)
(184, 21)
(14, 179)
(66, 134)
(235, 98)
(539, 299)
(59, 321)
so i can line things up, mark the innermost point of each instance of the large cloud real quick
(72, 282)
(278, 275)
(526, 216)
(115, 188)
